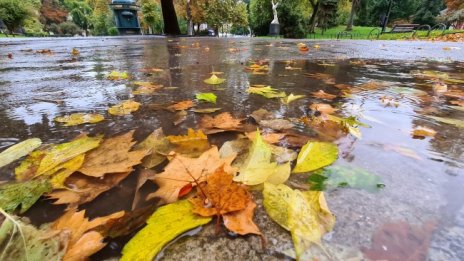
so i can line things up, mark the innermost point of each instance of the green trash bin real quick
(125, 14)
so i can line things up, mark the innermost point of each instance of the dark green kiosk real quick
(125, 14)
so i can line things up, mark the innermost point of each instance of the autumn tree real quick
(13, 13)
(52, 12)
(151, 16)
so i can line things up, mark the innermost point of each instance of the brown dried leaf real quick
(269, 137)
(323, 95)
(158, 144)
(83, 241)
(182, 171)
(85, 188)
(113, 156)
(220, 123)
(323, 107)
(180, 106)
(422, 132)
(241, 222)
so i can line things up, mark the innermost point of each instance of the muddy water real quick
(424, 178)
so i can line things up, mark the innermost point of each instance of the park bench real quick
(407, 28)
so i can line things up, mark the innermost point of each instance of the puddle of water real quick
(423, 178)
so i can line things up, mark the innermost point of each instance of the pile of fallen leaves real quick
(199, 181)
(457, 37)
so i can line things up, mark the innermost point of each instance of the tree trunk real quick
(313, 20)
(171, 25)
(354, 7)
(189, 19)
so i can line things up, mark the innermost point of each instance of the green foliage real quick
(13, 13)
(113, 31)
(33, 27)
(152, 17)
(225, 12)
(292, 18)
(428, 12)
(260, 16)
(371, 11)
(100, 24)
(68, 28)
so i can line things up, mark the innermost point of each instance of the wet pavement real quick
(421, 206)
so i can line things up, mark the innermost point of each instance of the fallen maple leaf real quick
(85, 188)
(458, 102)
(193, 143)
(267, 92)
(113, 156)
(219, 195)
(159, 147)
(180, 106)
(115, 76)
(206, 97)
(47, 160)
(304, 214)
(124, 108)
(269, 137)
(259, 167)
(182, 171)
(79, 118)
(323, 107)
(221, 122)
(422, 132)
(83, 241)
(75, 52)
(241, 222)
(12, 195)
(214, 80)
(323, 95)
(290, 98)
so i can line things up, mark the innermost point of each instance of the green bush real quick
(113, 31)
(293, 22)
(260, 16)
(13, 13)
(68, 28)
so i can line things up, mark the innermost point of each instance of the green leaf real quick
(267, 92)
(315, 155)
(79, 118)
(207, 97)
(290, 98)
(22, 241)
(164, 225)
(455, 122)
(25, 194)
(304, 214)
(18, 150)
(214, 80)
(345, 176)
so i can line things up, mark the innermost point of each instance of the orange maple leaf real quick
(222, 197)
(180, 106)
(182, 171)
